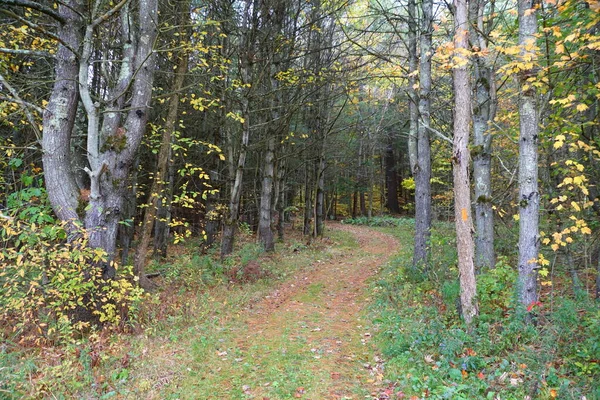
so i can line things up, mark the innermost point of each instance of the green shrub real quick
(50, 287)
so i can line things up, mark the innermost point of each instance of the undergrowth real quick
(430, 354)
(197, 295)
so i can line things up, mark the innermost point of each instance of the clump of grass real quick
(430, 353)
(381, 221)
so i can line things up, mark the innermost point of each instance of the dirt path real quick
(307, 339)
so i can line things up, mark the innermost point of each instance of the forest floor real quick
(308, 337)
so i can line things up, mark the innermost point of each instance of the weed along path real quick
(307, 338)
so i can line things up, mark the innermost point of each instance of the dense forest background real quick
(129, 128)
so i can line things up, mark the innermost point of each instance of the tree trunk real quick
(320, 192)
(529, 197)
(484, 109)
(422, 171)
(308, 209)
(265, 233)
(162, 169)
(460, 159)
(162, 224)
(413, 96)
(59, 119)
(391, 180)
(112, 149)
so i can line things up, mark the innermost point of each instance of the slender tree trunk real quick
(484, 109)
(265, 233)
(391, 180)
(320, 192)
(162, 224)
(529, 197)
(231, 220)
(413, 96)
(160, 175)
(308, 209)
(422, 171)
(460, 159)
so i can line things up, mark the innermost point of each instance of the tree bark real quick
(460, 160)
(529, 197)
(265, 233)
(413, 95)
(484, 110)
(423, 169)
(59, 119)
(391, 180)
(111, 161)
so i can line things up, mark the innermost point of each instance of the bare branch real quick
(25, 52)
(36, 6)
(24, 106)
(22, 103)
(439, 134)
(109, 13)
(39, 29)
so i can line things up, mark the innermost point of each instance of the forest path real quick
(307, 339)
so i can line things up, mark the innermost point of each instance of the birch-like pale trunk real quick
(422, 172)
(484, 110)
(529, 197)
(460, 161)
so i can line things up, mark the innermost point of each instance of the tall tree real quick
(461, 159)
(484, 110)
(422, 171)
(529, 197)
(115, 93)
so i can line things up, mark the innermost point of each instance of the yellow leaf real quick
(586, 231)
(582, 107)
(554, 246)
(560, 48)
(575, 206)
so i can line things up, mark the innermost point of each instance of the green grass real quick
(430, 353)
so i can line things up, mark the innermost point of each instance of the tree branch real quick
(24, 105)
(36, 6)
(39, 29)
(440, 134)
(25, 52)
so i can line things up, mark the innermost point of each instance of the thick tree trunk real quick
(460, 159)
(484, 109)
(162, 169)
(112, 149)
(529, 197)
(59, 119)
(422, 171)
